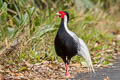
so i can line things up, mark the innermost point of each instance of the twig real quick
(12, 47)
(12, 11)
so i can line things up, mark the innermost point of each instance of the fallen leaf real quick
(107, 78)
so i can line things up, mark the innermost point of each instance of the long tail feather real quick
(84, 52)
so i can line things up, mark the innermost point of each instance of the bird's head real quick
(62, 14)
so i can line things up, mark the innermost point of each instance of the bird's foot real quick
(68, 76)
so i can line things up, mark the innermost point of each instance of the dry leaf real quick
(107, 78)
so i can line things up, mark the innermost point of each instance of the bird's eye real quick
(63, 14)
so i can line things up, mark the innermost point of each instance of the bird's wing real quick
(84, 52)
(74, 36)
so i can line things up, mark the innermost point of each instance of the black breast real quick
(65, 45)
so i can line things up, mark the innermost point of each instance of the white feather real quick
(84, 52)
(65, 25)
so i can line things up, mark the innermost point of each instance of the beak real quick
(57, 14)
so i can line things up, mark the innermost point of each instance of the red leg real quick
(67, 72)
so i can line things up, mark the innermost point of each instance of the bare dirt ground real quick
(112, 73)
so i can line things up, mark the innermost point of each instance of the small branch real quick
(12, 47)
(6, 42)
(12, 11)
(1, 13)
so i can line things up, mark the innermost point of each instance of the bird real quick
(68, 44)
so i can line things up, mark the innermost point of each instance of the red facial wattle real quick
(62, 14)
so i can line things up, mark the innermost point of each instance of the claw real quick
(68, 76)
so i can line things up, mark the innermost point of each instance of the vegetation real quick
(28, 29)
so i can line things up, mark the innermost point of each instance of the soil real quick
(112, 73)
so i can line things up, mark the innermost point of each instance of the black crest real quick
(67, 15)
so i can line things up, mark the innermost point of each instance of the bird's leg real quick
(67, 72)
(67, 75)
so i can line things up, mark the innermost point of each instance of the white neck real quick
(65, 24)
(66, 28)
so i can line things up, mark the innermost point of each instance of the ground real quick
(48, 70)
(112, 73)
